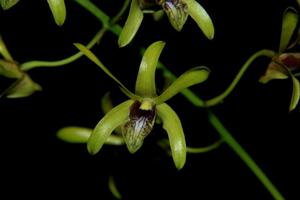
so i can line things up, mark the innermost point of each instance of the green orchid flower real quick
(286, 64)
(137, 115)
(23, 85)
(177, 12)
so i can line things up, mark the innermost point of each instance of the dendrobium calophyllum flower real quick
(286, 64)
(177, 12)
(137, 115)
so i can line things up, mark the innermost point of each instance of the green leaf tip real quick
(58, 9)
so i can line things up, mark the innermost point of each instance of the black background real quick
(36, 164)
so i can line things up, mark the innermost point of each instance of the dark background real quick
(36, 164)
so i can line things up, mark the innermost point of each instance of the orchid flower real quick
(23, 86)
(177, 12)
(285, 64)
(137, 115)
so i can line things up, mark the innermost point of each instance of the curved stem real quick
(238, 149)
(38, 63)
(204, 149)
(221, 97)
(107, 25)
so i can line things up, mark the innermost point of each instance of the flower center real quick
(140, 124)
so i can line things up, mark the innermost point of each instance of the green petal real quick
(93, 58)
(58, 9)
(296, 93)
(113, 188)
(132, 24)
(4, 51)
(145, 82)
(198, 13)
(289, 23)
(10, 69)
(274, 71)
(172, 124)
(6, 4)
(74, 134)
(23, 87)
(114, 118)
(176, 12)
(189, 78)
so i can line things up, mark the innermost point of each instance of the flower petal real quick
(145, 82)
(58, 9)
(10, 69)
(176, 12)
(132, 24)
(172, 124)
(296, 93)
(274, 71)
(4, 51)
(23, 87)
(6, 4)
(289, 24)
(138, 126)
(93, 58)
(189, 78)
(107, 124)
(201, 17)
(74, 134)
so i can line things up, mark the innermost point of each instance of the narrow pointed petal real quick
(58, 9)
(138, 126)
(7, 4)
(274, 71)
(289, 24)
(176, 12)
(23, 87)
(10, 69)
(296, 93)
(145, 82)
(132, 24)
(93, 58)
(201, 17)
(114, 118)
(4, 51)
(74, 134)
(189, 78)
(172, 124)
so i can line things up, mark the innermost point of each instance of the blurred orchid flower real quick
(286, 64)
(23, 86)
(177, 12)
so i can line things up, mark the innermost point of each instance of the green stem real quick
(204, 149)
(107, 25)
(221, 97)
(238, 149)
(37, 63)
